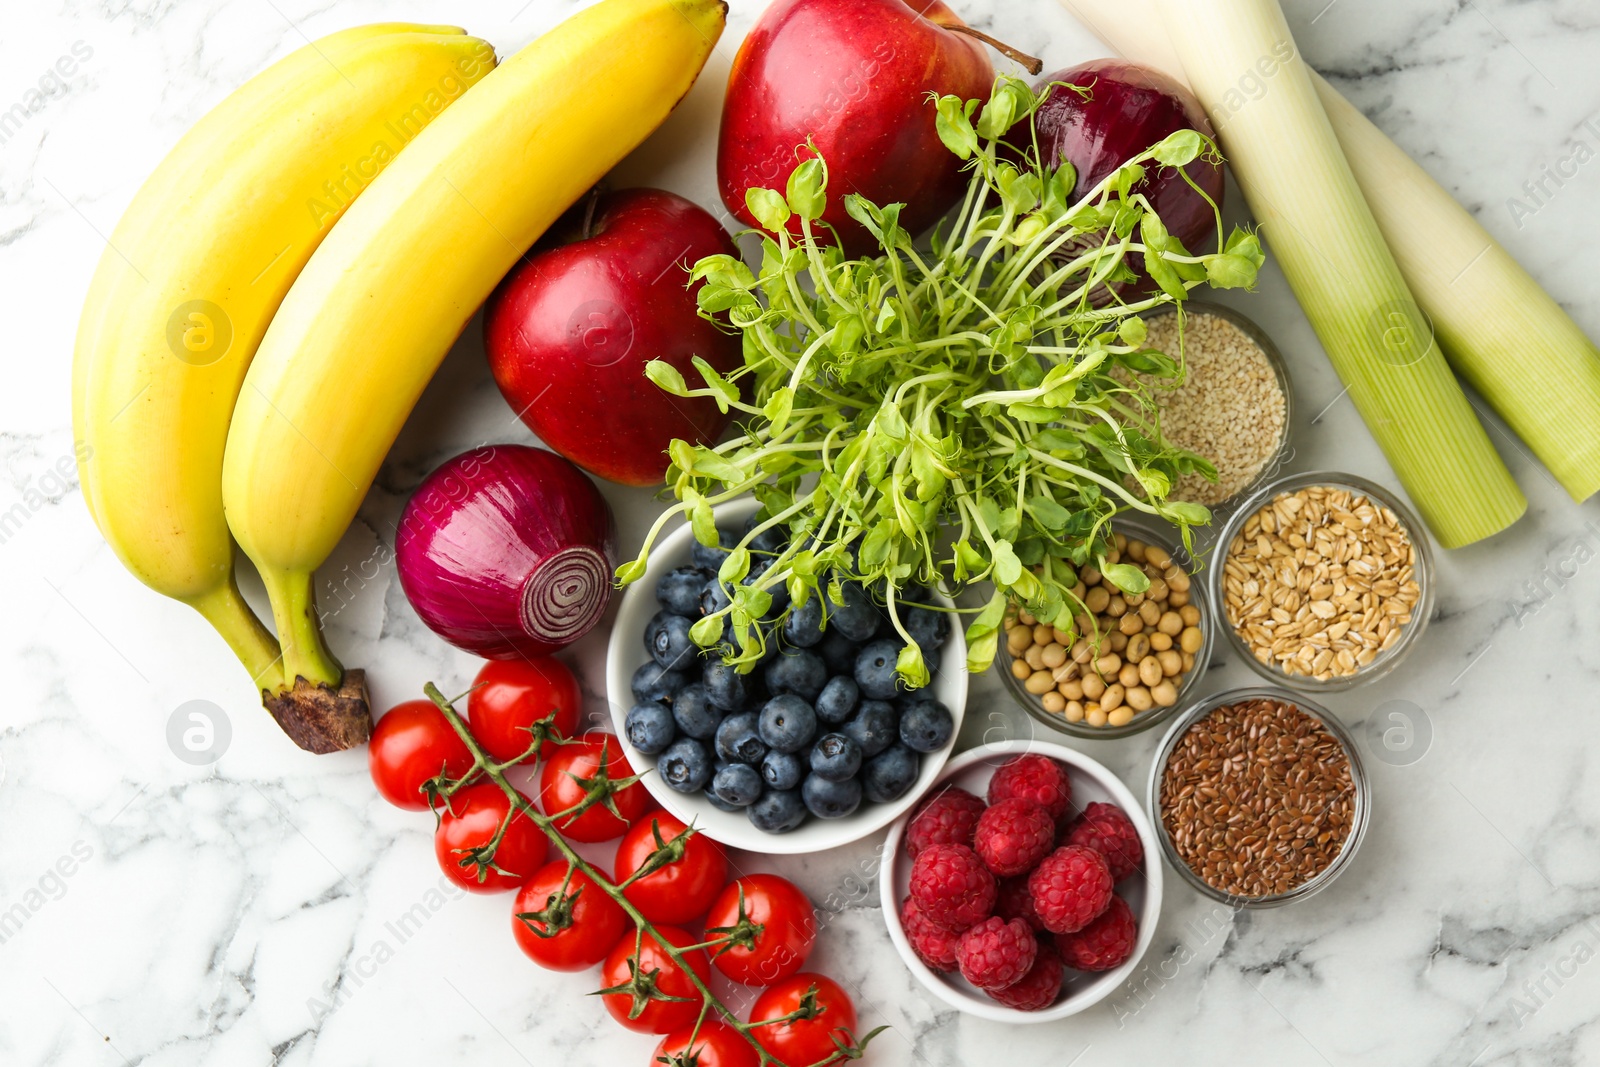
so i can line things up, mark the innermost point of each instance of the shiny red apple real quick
(854, 77)
(569, 332)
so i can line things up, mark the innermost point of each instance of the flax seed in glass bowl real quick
(1234, 405)
(1259, 797)
(1322, 581)
(1140, 702)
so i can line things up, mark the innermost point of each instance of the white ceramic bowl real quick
(1091, 782)
(626, 653)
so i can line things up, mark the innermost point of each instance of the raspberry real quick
(933, 944)
(1013, 901)
(1069, 888)
(1104, 943)
(1036, 778)
(1013, 836)
(1107, 830)
(952, 887)
(996, 953)
(1039, 988)
(947, 819)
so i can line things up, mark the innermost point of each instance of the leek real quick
(1497, 327)
(1301, 190)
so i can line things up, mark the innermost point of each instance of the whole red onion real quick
(1129, 108)
(507, 551)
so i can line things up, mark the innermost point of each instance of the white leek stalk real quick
(1498, 328)
(1301, 190)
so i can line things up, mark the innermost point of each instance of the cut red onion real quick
(507, 551)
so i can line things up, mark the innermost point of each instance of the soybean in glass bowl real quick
(1275, 622)
(1357, 815)
(1152, 532)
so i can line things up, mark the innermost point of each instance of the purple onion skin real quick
(1130, 109)
(507, 551)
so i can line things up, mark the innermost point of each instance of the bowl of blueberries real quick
(819, 744)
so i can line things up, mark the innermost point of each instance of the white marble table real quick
(160, 913)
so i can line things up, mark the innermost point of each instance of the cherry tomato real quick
(560, 788)
(474, 815)
(655, 1016)
(411, 743)
(805, 1041)
(513, 694)
(585, 925)
(788, 922)
(715, 1045)
(681, 891)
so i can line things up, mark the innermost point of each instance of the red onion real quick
(507, 551)
(1129, 109)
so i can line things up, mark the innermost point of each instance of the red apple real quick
(569, 332)
(853, 76)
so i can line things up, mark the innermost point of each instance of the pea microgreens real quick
(946, 414)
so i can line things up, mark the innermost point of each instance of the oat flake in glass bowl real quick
(1321, 581)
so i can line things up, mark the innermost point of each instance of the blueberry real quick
(838, 653)
(875, 670)
(685, 765)
(738, 784)
(738, 740)
(652, 681)
(707, 558)
(830, 800)
(693, 712)
(771, 539)
(889, 774)
(713, 598)
(716, 801)
(927, 627)
(787, 723)
(799, 671)
(777, 811)
(838, 699)
(858, 617)
(925, 725)
(649, 727)
(668, 636)
(725, 686)
(835, 757)
(679, 590)
(803, 627)
(782, 770)
(875, 727)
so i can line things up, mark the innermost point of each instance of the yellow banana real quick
(384, 298)
(192, 275)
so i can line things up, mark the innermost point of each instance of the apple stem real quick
(588, 209)
(1031, 64)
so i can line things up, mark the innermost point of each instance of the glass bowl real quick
(1422, 570)
(1282, 453)
(1359, 817)
(1151, 531)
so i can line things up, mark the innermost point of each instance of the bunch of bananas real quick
(281, 289)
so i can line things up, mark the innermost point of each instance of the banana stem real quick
(294, 610)
(224, 608)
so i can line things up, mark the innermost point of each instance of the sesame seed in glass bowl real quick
(1233, 405)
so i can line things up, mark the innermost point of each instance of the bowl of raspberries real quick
(820, 743)
(1026, 886)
